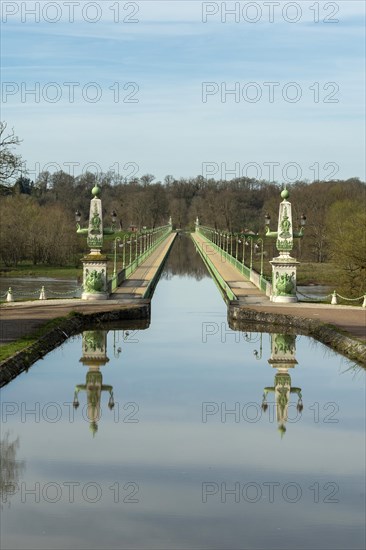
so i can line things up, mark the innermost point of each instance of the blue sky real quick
(167, 55)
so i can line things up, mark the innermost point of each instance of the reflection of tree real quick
(183, 260)
(11, 468)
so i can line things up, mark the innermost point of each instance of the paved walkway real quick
(137, 284)
(21, 318)
(348, 318)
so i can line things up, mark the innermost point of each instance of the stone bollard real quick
(42, 295)
(334, 299)
(364, 301)
(9, 296)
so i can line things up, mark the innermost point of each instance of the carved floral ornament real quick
(94, 281)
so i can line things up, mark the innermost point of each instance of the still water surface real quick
(170, 447)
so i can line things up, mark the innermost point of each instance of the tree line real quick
(37, 216)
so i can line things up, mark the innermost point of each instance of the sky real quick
(272, 90)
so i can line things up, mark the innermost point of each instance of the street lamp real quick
(130, 243)
(247, 241)
(256, 246)
(116, 240)
(302, 223)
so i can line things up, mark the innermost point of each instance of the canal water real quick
(185, 435)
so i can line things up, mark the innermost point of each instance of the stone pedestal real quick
(284, 279)
(283, 351)
(95, 277)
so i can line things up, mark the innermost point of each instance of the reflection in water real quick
(94, 344)
(11, 468)
(183, 262)
(169, 452)
(283, 351)
(256, 338)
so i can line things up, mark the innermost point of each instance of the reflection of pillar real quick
(283, 350)
(94, 357)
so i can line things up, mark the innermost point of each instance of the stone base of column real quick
(95, 296)
(95, 277)
(284, 279)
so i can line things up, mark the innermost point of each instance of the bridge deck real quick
(19, 319)
(349, 318)
(243, 290)
(138, 283)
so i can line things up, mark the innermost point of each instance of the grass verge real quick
(8, 350)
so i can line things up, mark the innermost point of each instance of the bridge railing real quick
(135, 248)
(239, 249)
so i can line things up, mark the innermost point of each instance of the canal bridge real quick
(248, 294)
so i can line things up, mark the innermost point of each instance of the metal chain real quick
(63, 293)
(36, 292)
(27, 293)
(315, 299)
(350, 299)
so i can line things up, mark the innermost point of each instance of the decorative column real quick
(94, 357)
(95, 279)
(283, 350)
(197, 224)
(284, 266)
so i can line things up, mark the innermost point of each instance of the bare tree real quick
(10, 163)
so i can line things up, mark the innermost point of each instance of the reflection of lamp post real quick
(116, 352)
(258, 355)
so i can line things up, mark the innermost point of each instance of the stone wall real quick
(326, 334)
(70, 326)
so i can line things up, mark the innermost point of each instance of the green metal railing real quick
(135, 248)
(235, 248)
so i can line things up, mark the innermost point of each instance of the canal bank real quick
(343, 328)
(22, 321)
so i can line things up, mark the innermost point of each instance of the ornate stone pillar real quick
(284, 266)
(95, 278)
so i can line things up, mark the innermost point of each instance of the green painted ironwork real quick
(151, 239)
(220, 241)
